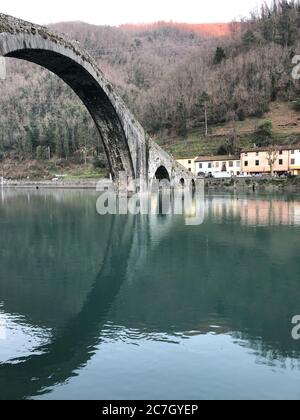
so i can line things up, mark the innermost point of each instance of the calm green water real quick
(124, 307)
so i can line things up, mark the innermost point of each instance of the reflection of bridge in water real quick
(129, 248)
(74, 345)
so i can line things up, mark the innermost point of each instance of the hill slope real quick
(170, 76)
(285, 126)
(201, 29)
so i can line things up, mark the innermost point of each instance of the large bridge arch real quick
(123, 138)
(127, 147)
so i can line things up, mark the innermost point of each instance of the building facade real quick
(257, 161)
(295, 161)
(218, 166)
(188, 163)
(251, 162)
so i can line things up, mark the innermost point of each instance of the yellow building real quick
(295, 161)
(188, 163)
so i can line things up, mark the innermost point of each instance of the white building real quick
(218, 166)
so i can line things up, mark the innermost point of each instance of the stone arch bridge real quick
(128, 148)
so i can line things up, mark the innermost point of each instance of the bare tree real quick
(272, 156)
(233, 135)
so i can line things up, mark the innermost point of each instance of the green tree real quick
(41, 153)
(249, 38)
(59, 148)
(287, 23)
(263, 133)
(296, 105)
(219, 55)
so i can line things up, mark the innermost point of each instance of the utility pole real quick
(206, 122)
(204, 98)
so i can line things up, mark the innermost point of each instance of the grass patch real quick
(198, 145)
(84, 173)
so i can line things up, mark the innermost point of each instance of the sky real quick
(116, 12)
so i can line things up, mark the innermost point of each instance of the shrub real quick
(41, 153)
(219, 55)
(296, 105)
(263, 133)
(99, 162)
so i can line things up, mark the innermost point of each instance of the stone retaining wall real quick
(254, 184)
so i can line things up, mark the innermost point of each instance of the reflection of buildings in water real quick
(296, 213)
(270, 212)
(255, 212)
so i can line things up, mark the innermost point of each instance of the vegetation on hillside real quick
(176, 80)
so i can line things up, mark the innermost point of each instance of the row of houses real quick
(285, 159)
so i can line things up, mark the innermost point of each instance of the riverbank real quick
(44, 170)
(86, 184)
(242, 185)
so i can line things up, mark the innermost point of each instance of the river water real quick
(148, 307)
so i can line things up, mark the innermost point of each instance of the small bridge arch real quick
(162, 173)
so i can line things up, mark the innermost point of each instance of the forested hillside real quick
(175, 78)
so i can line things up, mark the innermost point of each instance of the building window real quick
(280, 162)
(190, 162)
(209, 165)
(217, 164)
(246, 163)
(246, 154)
(257, 162)
(281, 152)
(257, 153)
(238, 164)
(293, 152)
(200, 165)
(293, 161)
(230, 164)
(190, 170)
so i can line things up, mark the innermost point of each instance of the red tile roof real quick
(216, 158)
(267, 148)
